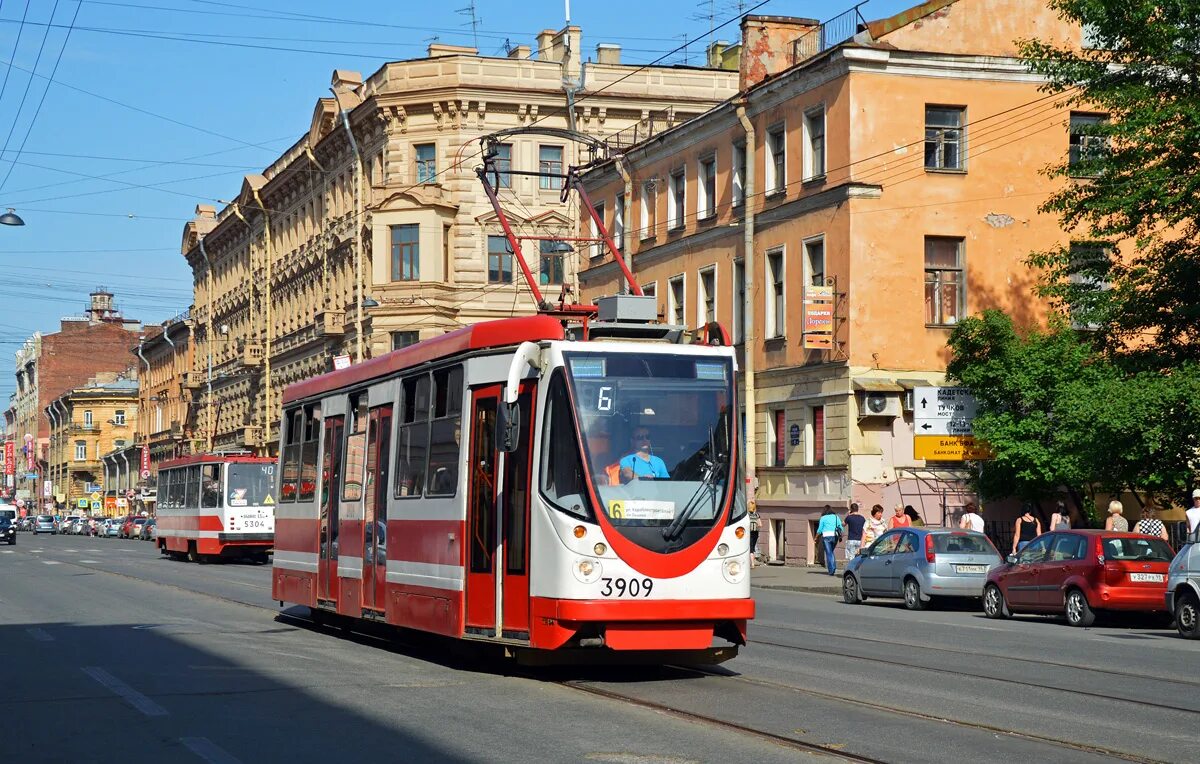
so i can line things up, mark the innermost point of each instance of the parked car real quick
(25, 523)
(1080, 573)
(150, 529)
(135, 530)
(919, 564)
(8, 531)
(127, 526)
(1183, 587)
(45, 524)
(112, 527)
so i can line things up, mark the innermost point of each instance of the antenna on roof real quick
(475, 21)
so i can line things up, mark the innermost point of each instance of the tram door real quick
(331, 466)
(481, 514)
(515, 538)
(379, 434)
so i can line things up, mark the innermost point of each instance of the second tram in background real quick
(214, 506)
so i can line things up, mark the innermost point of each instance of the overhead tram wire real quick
(29, 82)
(16, 45)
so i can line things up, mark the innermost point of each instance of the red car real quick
(127, 526)
(1081, 572)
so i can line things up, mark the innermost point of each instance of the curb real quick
(801, 589)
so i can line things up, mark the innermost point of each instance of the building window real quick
(776, 160)
(814, 144)
(675, 300)
(777, 438)
(1085, 145)
(80, 450)
(119, 443)
(596, 247)
(706, 205)
(814, 262)
(739, 301)
(1090, 263)
(943, 138)
(119, 418)
(815, 447)
(406, 252)
(676, 200)
(706, 296)
(618, 224)
(404, 339)
(87, 419)
(426, 154)
(945, 285)
(500, 261)
(550, 165)
(739, 173)
(503, 162)
(774, 314)
(649, 209)
(552, 263)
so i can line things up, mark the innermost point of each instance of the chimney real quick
(438, 50)
(520, 51)
(767, 46)
(101, 306)
(607, 53)
(716, 54)
(545, 46)
(205, 211)
(345, 80)
(567, 50)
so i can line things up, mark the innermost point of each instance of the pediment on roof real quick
(323, 120)
(417, 197)
(250, 184)
(553, 219)
(490, 217)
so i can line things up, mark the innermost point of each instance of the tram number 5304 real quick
(626, 587)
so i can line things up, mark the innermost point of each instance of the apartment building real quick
(168, 388)
(85, 423)
(842, 215)
(372, 231)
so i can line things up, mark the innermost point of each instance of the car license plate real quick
(970, 569)
(1152, 577)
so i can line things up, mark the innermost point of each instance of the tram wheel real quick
(191, 553)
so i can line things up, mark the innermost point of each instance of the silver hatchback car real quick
(918, 564)
(44, 524)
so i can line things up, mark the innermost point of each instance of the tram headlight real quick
(722, 549)
(587, 571)
(733, 570)
(580, 531)
(600, 548)
(740, 532)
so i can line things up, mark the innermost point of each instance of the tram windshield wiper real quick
(712, 468)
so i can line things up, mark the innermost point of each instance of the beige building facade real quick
(373, 231)
(887, 187)
(85, 424)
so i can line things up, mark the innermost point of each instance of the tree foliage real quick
(1138, 183)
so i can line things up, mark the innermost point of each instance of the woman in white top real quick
(971, 519)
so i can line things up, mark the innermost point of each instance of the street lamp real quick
(370, 302)
(11, 218)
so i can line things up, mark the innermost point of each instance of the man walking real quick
(854, 531)
(1193, 514)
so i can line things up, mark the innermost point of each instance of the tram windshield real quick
(250, 485)
(656, 430)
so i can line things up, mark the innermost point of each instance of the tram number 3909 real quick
(626, 587)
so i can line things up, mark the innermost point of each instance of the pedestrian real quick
(1027, 528)
(1193, 514)
(855, 523)
(1150, 525)
(1116, 520)
(913, 516)
(1061, 519)
(754, 526)
(971, 520)
(899, 519)
(829, 530)
(875, 527)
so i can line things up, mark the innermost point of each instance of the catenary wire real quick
(29, 82)
(16, 45)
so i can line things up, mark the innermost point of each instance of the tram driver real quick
(641, 463)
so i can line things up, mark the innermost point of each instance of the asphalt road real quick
(114, 653)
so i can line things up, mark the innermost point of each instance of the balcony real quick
(176, 431)
(252, 355)
(331, 323)
(252, 436)
(192, 380)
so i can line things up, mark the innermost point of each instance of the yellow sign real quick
(95, 496)
(616, 509)
(949, 448)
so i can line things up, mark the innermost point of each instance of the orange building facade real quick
(900, 172)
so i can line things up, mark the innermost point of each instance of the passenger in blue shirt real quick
(641, 463)
(829, 529)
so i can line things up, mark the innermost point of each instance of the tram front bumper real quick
(639, 624)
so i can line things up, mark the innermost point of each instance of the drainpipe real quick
(64, 421)
(627, 231)
(141, 342)
(51, 460)
(358, 265)
(268, 412)
(208, 333)
(121, 454)
(748, 309)
(250, 249)
(167, 336)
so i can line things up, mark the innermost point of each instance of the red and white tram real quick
(528, 482)
(216, 505)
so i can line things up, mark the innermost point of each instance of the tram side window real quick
(210, 486)
(445, 434)
(356, 449)
(178, 485)
(516, 491)
(379, 437)
(412, 437)
(192, 493)
(308, 453)
(164, 489)
(562, 480)
(291, 456)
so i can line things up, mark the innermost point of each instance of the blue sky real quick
(175, 100)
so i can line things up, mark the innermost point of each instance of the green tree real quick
(1133, 177)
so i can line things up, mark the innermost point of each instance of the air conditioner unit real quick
(879, 404)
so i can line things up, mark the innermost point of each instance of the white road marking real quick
(51, 562)
(8, 551)
(243, 583)
(290, 655)
(96, 562)
(41, 635)
(127, 693)
(208, 750)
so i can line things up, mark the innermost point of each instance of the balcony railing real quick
(833, 32)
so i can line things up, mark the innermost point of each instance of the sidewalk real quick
(791, 578)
